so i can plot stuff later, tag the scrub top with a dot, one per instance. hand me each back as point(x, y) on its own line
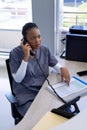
point(36, 74)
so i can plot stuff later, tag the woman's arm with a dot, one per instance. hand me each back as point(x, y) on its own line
point(20, 74)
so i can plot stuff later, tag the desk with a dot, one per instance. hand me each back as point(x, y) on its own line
point(79, 122)
point(45, 100)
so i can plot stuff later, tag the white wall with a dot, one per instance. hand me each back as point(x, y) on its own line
point(43, 16)
point(48, 16)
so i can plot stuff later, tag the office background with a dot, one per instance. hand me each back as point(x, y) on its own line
point(48, 14)
point(43, 14)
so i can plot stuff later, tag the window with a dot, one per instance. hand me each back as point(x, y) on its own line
point(75, 13)
point(15, 13)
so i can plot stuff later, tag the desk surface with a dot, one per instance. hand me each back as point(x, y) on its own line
point(45, 100)
point(79, 122)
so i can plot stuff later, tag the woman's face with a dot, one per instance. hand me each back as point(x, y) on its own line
point(34, 38)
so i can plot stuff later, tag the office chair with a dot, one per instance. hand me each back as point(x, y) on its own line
point(11, 97)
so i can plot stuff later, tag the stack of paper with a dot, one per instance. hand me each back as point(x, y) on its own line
point(63, 90)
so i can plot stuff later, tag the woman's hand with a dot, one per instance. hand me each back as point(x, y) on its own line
point(65, 76)
point(26, 50)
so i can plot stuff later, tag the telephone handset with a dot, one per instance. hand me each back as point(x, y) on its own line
point(32, 53)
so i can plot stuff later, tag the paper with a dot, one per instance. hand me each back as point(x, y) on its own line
point(64, 90)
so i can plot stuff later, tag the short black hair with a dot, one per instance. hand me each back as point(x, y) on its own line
point(28, 26)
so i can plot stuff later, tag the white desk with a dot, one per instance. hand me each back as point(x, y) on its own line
point(45, 100)
point(77, 123)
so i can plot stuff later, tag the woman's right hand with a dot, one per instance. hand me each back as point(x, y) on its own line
point(26, 50)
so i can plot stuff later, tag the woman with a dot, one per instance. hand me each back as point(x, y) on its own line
point(30, 71)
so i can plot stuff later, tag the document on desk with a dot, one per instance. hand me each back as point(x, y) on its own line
point(63, 90)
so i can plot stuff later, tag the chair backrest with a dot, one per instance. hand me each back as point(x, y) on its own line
point(9, 75)
point(16, 115)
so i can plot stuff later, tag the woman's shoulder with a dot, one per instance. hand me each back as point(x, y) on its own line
point(44, 47)
point(17, 51)
point(18, 48)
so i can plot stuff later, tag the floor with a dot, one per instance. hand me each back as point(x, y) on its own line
point(5, 109)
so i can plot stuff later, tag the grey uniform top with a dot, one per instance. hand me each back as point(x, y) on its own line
point(26, 91)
